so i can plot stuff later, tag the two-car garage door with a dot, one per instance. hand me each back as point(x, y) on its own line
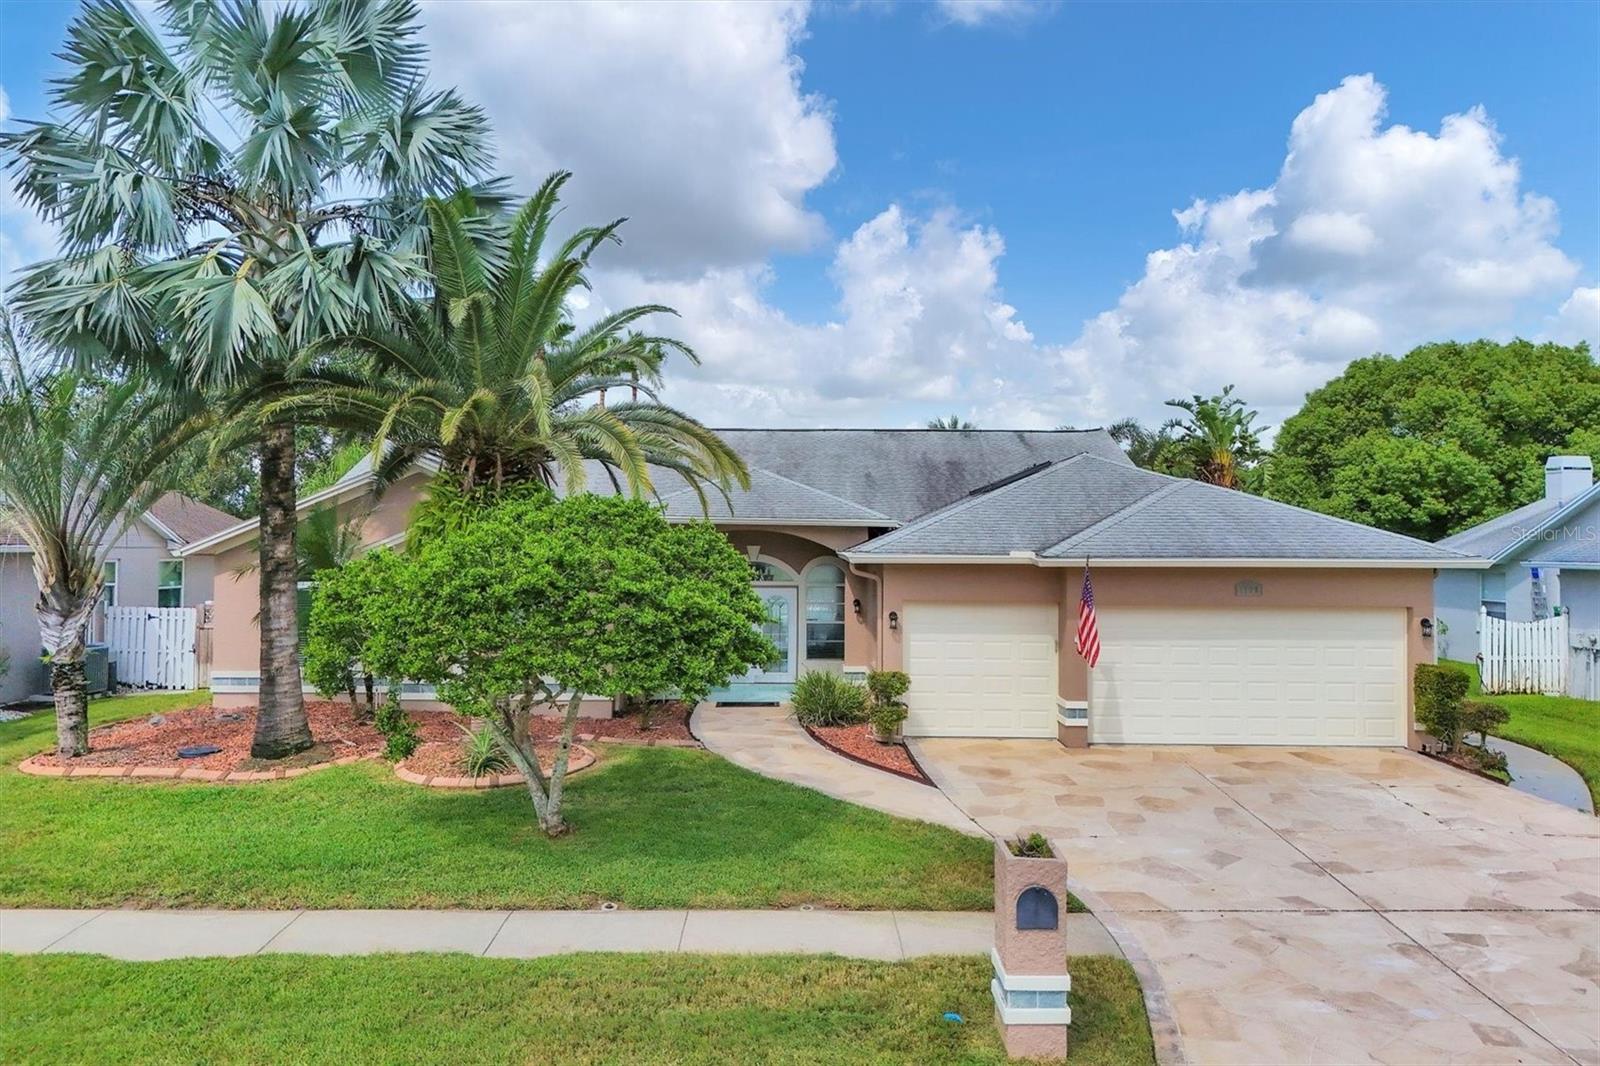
point(1265, 676)
point(1166, 676)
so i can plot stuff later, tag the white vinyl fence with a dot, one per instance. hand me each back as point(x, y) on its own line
point(1524, 656)
point(153, 647)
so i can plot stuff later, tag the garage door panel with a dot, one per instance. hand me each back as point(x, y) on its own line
point(988, 670)
point(1249, 676)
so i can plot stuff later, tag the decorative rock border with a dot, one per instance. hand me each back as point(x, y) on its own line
point(581, 759)
point(34, 767)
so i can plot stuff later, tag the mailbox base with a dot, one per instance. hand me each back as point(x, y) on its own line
point(1032, 1041)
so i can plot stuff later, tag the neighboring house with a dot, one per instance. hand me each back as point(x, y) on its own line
point(959, 556)
point(142, 570)
point(1543, 558)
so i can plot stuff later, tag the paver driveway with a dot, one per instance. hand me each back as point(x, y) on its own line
point(1321, 905)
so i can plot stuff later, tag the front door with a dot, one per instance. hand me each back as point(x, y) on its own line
point(782, 604)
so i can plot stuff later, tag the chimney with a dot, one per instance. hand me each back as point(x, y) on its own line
point(1566, 477)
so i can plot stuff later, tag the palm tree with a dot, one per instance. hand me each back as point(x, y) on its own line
point(1149, 448)
point(489, 375)
point(953, 422)
point(82, 459)
point(1218, 438)
point(228, 193)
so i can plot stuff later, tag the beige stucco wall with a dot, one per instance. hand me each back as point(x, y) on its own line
point(1408, 590)
point(236, 641)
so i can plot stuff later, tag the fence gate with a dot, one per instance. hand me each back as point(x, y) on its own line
point(153, 647)
point(1524, 656)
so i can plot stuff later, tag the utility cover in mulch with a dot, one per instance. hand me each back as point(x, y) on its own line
point(857, 742)
point(334, 727)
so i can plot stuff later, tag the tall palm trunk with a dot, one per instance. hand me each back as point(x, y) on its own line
point(281, 727)
point(70, 685)
point(63, 615)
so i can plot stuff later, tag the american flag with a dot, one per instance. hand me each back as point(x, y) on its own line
point(1088, 628)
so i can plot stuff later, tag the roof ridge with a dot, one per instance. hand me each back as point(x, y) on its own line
point(939, 514)
point(1304, 510)
point(1116, 516)
point(1558, 515)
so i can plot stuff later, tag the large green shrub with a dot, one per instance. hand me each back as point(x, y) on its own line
point(823, 698)
point(518, 602)
point(339, 623)
point(1439, 693)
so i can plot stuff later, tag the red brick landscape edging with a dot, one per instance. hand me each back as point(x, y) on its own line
point(35, 768)
point(582, 758)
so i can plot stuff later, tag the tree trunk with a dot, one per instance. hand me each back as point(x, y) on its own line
point(370, 685)
point(71, 688)
point(552, 822)
point(281, 727)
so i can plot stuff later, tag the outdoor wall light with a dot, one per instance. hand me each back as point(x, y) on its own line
point(1427, 629)
point(894, 620)
point(855, 605)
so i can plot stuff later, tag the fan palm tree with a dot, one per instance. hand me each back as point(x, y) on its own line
point(489, 375)
point(228, 193)
point(82, 459)
point(1218, 438)
point(953, 422)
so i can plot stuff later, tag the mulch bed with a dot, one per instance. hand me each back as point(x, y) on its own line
point(857, 742)
point(669, 725)
point(149, 746)
point(155, 741)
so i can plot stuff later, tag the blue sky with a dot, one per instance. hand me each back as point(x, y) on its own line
point(871, 213)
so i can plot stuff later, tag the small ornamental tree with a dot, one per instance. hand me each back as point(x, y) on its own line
point(520, 603)
point(339, 625)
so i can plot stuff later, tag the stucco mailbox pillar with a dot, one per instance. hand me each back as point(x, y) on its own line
point(1030, 954)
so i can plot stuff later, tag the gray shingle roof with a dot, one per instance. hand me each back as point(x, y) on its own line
point(903, 473)
point(1091, 507)
point(775, 498)
point(1504, 534)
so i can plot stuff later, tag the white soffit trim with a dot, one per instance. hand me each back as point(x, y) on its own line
point(227, 538)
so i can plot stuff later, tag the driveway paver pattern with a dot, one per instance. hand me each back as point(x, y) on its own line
point(1338, 905)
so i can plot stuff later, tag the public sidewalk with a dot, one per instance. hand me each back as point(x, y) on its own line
point(145, 935)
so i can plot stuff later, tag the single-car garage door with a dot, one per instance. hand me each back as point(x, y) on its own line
point(1264, 676)
point(981, 670)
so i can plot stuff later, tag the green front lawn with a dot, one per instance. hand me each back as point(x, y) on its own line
point(572, 1009)
point(1562, 726)
point(655, 827)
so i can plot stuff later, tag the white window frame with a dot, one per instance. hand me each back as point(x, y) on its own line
point(160, 588)
point(108, 588)
point(805, 605)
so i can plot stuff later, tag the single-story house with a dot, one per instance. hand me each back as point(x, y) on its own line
point(1543, 558)
point(143, 569)
point(959, 557)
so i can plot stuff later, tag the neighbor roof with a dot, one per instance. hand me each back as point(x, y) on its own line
point(1091, 508)
point(174, 515)
point(1499, 538)
point(773, 498)
point(188, 519)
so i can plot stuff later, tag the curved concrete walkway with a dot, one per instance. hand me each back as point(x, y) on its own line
point(770, 742)
point(1538, 774)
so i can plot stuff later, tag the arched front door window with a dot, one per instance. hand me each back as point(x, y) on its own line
point(824, 611)
point(769, 570)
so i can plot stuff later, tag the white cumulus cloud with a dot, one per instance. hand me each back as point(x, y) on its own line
point(1577, 319)
point(920, 324)
point(688, 118)
point(1371, 237)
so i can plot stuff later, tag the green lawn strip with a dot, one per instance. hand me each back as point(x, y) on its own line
point(589, 1008)
point(655, 827)
point(1562, 726)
